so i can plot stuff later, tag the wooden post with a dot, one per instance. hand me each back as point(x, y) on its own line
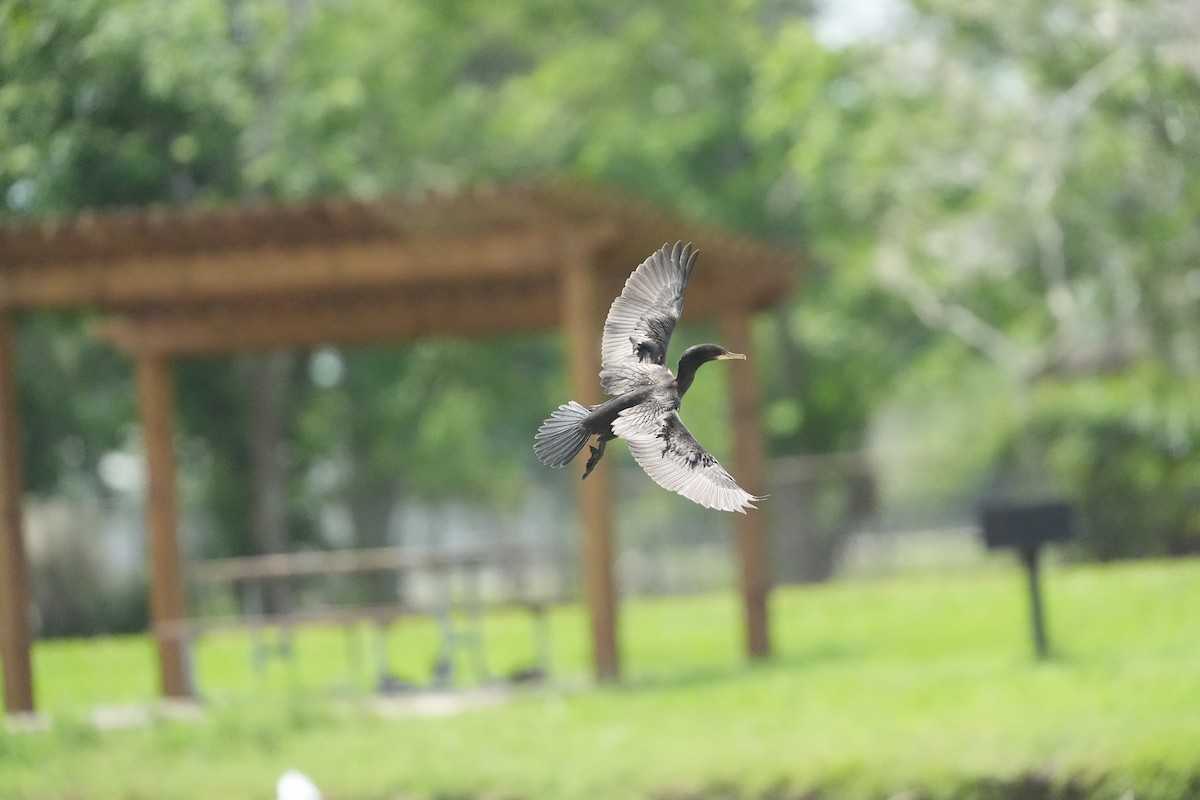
point(750, 472)
point(156, 398)
point(583, 319)
point(14, 576)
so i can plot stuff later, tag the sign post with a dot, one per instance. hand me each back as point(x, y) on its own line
point(1026, 527)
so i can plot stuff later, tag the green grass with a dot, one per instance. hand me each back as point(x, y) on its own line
point(876, 687)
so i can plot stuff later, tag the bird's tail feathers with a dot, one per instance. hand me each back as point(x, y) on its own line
point(562, 435)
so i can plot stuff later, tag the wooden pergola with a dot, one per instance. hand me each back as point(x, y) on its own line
point(501, 260)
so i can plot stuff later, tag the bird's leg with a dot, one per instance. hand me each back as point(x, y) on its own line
point(597, 453)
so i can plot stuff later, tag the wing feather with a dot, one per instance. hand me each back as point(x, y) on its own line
point(663, 446)
point(641, 320)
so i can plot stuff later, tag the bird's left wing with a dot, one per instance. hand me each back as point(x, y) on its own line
point(641, 320)
point(671, 456)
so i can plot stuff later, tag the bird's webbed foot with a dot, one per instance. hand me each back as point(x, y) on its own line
point(597, 454)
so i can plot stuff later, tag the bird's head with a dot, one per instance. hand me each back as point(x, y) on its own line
point(696, 355)
point(703, 353)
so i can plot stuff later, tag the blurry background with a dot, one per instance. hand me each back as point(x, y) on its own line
point(1002, 202)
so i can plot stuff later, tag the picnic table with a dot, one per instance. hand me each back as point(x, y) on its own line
point(456, 575)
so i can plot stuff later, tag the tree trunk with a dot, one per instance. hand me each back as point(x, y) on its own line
point(267, 376)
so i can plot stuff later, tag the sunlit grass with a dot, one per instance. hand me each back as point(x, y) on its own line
point(875, 687)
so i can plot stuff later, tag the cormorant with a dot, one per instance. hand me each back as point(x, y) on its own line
point(645, 396)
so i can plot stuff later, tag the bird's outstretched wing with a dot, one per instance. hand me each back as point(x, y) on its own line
point(671, 456)
point(640, 321)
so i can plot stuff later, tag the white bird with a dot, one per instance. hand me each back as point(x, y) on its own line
point(295, 785)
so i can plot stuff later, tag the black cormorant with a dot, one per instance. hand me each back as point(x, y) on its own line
point(645, 396)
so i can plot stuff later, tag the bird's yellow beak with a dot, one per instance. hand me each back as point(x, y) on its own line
point(729, 356)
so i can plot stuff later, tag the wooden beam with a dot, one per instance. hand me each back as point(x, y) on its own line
point(125, 279)
point(358, 318)
point(156, 400)
point(583, 318)
point(749, 468)
point(15, 637)
point(487, 308)
point(286, 270)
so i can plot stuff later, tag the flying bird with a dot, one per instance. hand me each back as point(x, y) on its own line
point(643, 408)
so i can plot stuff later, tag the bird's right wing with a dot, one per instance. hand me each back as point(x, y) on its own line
point(641, 320)
point(671, 456)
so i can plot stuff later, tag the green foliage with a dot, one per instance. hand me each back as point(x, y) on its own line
point(1017, 176)
point(1125, 445)
point(74, 596)
point(429, 420)
point(876, 688)
point(119, 103)
point(212, 406)
point(76, 399)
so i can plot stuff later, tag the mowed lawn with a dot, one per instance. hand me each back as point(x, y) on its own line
point(924, 684)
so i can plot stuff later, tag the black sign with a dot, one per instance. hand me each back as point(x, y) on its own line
point(1026, 526)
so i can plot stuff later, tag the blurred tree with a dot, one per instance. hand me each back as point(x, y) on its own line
point(76, 400)
point(1128, 442)
point(1019, 178)
point(117, 102)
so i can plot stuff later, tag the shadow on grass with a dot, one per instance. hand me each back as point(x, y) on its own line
point(1023, 787)
point(711, 675)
